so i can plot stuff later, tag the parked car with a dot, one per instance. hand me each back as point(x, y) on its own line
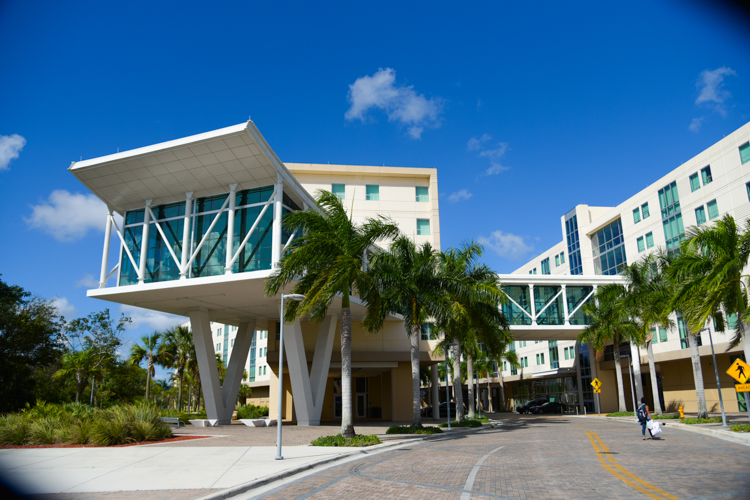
point(548, 407)
point(526, 408)
point(427, 411)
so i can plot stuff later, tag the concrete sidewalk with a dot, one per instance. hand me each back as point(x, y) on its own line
point(203, 466)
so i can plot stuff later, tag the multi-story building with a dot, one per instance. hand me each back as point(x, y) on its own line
point(202, 231)
point(599, 241)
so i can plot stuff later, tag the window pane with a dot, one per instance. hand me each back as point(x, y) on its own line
point(694, 182)
point(557, 260)
point(372, 192)
point(706, 175)
point(636, 216)
point(641, 246)
point(423, 227)
point(662, 334)
point(649, 240)
point(644, 209)
point(423, 193)
point(562, 258)
point(700, 215)
point(745, 152)
point(713, 209)
point(339, 190)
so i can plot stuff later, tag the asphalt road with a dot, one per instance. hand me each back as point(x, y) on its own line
point(544, 457)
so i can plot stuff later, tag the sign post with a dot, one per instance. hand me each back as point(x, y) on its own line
point(597, 385)
point(740, 371)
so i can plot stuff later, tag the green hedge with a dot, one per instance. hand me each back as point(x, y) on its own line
point(339, 440)
point(712, 420)
point(740, 428)
point(621, 414)
point(408, 429)
point(464, 423)
point(252, 411)
point(80, 424)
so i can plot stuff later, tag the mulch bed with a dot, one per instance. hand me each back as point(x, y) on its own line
point(161, 441)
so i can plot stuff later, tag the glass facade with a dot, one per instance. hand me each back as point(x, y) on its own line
point(636, 216)
point(554, 358)
point(649, 240)
point(700, 215)
point(713, 209)
point(644, 210)
point(549, 309)
point(339, 190)
point(518, 308)
point(423, 193)
point(706, 175)
point(423, 227)
point(516, 305)
point(609, 249)
point(428, 331)
point(574, 246)
point(695, 183)
point(745, 153)
point(211, 258)
point(545, 266)
point(576, 295)
point(586, 379)
point(372, 192)
point(556, 389)
point(669, 201)
point(641, 244)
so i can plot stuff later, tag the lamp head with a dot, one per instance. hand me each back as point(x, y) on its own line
point(294, 296)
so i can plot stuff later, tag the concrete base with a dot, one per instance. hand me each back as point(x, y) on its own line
point(208, 422)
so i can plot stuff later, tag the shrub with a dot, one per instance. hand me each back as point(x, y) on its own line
point(665, 417)
point(621, 414)
point(110, 428)
point(740, 428)
point(44, 430)
point(712, 420)
point(464, 423)
point(339, 440)
point(408, 429)
point(80, 432)
point(14, 430)
point(252, 411)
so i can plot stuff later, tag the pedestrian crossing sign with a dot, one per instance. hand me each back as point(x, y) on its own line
point(597, 391)
point(740, 371)
point(742, 387)
point(596, 384)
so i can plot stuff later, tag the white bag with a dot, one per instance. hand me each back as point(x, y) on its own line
point(650, 424)
point(656, 429)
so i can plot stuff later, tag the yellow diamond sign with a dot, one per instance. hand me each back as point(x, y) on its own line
point(740, 371)
point(596, 384)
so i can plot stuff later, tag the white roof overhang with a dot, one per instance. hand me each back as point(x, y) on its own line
point(204, 164)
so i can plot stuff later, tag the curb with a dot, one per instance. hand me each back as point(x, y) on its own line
point(242, 488)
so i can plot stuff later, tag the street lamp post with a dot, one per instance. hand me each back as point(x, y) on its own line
point(631, 377)
point(297, 297)
point(447, 387)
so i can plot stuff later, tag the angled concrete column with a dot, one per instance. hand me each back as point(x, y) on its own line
point(309, 390)
point(219, 401)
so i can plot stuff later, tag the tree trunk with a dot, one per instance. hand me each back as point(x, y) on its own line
point(148, 380)
point(179, 392)
point(502, 390)
point(654, 383)
point(491, 406)
point(347, 420)
point(79, 386)
point(620, 385)
point(470, 386)
point(700, 391)
point(435, 385)
point(414, 337)
point(458, 383)
point(635, 357)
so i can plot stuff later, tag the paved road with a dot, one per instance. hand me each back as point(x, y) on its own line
point(544, 457)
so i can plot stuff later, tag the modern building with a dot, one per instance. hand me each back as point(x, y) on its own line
point(201, 233)
point(599, 241)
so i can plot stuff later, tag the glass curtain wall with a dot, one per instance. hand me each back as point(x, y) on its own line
point(609, 249)
point(514, 313)
point(557, 389)
point(669, 201)
point(552, 315)
point(211, 259)
point(574, 246)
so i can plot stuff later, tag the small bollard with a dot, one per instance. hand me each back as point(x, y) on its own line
point(682, 415)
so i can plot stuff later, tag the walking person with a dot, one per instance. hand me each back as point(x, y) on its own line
point(643, 417)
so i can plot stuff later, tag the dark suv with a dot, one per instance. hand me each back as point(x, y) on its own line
point(549, 407)
point(526, 408)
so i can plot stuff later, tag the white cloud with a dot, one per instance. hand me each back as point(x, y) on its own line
point(492, 154)
point(64, 308)
point(402, 104)
point(10, 147)
point(695, 125)
point(461, 195)
point(710, 84)
point(506, 245)
point(88, 281)
point(68, 216)
point(153, 320)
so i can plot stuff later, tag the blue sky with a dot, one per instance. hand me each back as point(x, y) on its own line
point(525, 110)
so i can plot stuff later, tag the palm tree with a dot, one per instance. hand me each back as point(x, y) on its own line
point(326, 261)
point(647, 296)
point(485, 368)
point(406, 280)
point(81, 365)
point(609, 321)
point(154, 352)
point(472, 312)
point(178, 343)
point(511, 357)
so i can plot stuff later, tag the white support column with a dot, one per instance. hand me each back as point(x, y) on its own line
point(105, 253)
point(209, 372)
point(309, 390)
point(635, 366)
point(230, 228)
point(276, 232)
point(533, 305)
point(565, 305)
point(435, 383)
point(184, 271)
point(236, 365)
point(144, 246)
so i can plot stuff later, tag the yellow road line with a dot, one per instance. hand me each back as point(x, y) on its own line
point(602, 453)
